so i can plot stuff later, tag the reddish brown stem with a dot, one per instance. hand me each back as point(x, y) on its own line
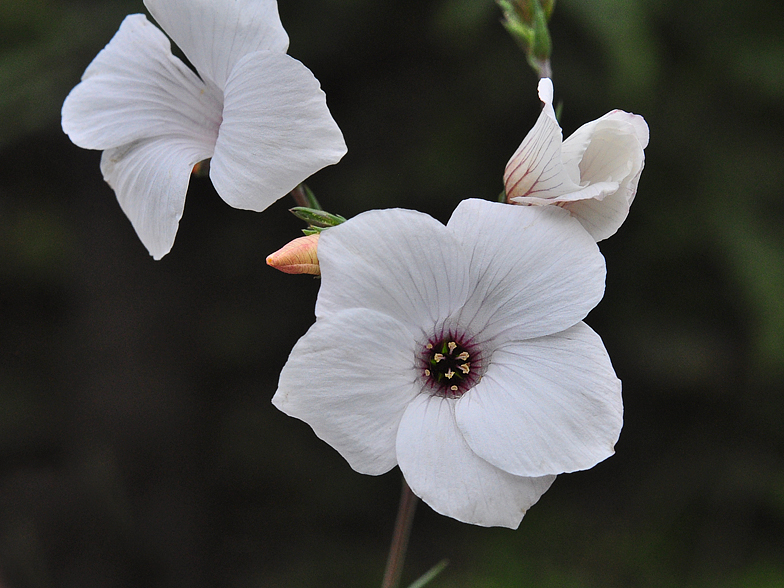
point(397, 551)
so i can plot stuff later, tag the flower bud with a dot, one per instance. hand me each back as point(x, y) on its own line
point(297, 257)
point(526, 21)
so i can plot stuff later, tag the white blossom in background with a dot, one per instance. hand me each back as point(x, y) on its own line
point(593, 174)
point(257, 112)
point(458, 352)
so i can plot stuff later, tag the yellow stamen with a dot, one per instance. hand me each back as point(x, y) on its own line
point(438, 357)
point(452, 346)
point(463, 356)
point(453, 388)
point(465, 368)
point(449, 373)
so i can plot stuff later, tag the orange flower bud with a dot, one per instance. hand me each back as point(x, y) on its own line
point(297, 257)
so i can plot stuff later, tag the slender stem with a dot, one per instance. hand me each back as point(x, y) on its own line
point(397, 551)
point(298, 194)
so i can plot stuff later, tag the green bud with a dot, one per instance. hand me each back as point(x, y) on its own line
point(526, 21)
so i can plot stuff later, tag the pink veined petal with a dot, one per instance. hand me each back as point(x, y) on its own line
point(442, 470)
point(136, 89)
point(536, 168)
point(545, 406)
point(350, 377)
point(597, 191)
point(276, 131)
point(216, 34)
point(150, 178)
point(403, 263)
point(535, 271)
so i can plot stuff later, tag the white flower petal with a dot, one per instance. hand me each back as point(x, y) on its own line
point(593, 174)
point(609, 149)
point(545, 406)
point(216, 34)
point(605, 150)
point(536, 168)
point(535, 271)
point(602, 218)
point(150, 178)
point(400, 262)
point(637, 122)
point(136, 89)
point(441, 469)
point(276, 131)
point(350, 378)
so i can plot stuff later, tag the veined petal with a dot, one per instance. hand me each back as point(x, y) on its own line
point(150, 178)
point(610, 151)
point(216, 34)
point(276, 131)
point(136, 89)
point(545, 406)
point(350, 378)
point(442, 470)
point(607, 150)
point(602, 218)
point(536, 168)
point(534, 270)
point(637, 122)
point(400, 262)
point(597, 191)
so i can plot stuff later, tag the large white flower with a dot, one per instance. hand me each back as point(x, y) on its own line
point(593, 174)
point(458, 352)
point(257, 112)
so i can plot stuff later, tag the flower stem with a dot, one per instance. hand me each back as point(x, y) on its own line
point(397, 551)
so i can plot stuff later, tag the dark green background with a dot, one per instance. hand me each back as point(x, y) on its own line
point(138, 446)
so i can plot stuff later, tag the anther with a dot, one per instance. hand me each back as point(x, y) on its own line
point(429, 346)
point(463, 356)
point(449, 373)
point(453, 388)
point(427, 372)
point(452, 346)
point(465, 368)
point(438, 357)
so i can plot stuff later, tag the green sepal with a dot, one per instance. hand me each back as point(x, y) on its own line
point(317, 218)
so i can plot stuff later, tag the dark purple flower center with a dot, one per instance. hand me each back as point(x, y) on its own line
point(450, 365)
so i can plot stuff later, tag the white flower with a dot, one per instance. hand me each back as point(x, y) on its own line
point(257, 112)
point(458, 352)
point(593, 174)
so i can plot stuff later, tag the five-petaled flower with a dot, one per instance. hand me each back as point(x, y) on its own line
point(257, 112)
point(593, 174)
point(458, 352)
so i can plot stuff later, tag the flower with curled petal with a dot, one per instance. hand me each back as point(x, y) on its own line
point(458, 352)
point(593, 174)
point(257, 112)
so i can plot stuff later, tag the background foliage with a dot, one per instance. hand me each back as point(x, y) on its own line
point(137, 443)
